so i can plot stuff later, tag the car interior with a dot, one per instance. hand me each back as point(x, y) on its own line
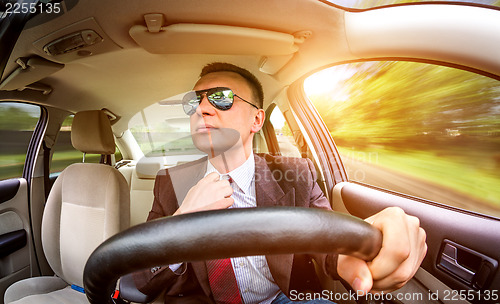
point(98, 77)
point(79, 213)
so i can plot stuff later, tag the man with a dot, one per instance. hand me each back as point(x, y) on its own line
point(225, 112)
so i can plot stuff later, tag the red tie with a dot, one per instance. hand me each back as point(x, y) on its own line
point(223, 282)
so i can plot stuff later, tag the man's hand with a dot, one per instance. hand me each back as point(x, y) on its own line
point(208, 194)
point(403, 249)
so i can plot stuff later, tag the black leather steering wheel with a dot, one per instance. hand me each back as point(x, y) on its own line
point(225, 233)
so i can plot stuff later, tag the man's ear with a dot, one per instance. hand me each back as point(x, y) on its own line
point(258, 121)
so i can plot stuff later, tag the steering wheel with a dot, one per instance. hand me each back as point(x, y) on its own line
point(222, 234)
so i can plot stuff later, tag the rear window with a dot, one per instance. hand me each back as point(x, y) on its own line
point(162, 130)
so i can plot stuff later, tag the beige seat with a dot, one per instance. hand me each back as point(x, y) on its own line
point(141, 179)
point(87, 204)
point(259, 143)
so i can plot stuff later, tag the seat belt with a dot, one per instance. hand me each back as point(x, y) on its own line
point(46, 173)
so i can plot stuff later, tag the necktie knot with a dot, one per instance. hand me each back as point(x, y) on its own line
point(227, 177)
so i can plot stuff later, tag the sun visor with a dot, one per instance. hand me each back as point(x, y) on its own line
point(28, 72)
point(213, 39)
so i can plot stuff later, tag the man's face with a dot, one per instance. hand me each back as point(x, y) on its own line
point(215, 131)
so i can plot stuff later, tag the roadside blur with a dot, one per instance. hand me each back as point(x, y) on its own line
point(433, 124)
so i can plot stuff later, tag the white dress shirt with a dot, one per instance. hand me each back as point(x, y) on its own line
point(253, 276)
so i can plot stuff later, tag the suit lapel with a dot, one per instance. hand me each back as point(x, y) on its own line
point(184, 179)
point(267, 190)
point(200, 270)
point(269, 194)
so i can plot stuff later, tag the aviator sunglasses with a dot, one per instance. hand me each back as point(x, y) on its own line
point(221, 98)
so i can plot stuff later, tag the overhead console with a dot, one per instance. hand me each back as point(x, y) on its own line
point(189, 38)
point(81, 39)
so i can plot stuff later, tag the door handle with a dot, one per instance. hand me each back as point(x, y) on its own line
point(469, 266)
point(449, 261)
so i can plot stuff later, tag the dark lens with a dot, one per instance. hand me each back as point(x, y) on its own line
point(222, 99)
point(190, 102)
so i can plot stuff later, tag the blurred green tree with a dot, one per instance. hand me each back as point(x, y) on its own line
point(400, 103)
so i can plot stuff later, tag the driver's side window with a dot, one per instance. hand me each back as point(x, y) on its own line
point(420, 129)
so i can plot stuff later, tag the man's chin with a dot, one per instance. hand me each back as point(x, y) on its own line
point(216, 141)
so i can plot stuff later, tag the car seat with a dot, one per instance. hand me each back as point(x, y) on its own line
point(87, 204)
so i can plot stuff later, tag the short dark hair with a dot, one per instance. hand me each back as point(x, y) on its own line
point(252, 81)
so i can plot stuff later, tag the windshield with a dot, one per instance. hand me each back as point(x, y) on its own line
point(365, 4)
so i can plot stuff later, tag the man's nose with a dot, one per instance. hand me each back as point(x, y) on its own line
point(205, 108)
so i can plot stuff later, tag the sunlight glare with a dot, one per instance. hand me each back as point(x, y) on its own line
point(329, 82)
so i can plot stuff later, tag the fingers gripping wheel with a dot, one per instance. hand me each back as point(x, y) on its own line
point(225, 233)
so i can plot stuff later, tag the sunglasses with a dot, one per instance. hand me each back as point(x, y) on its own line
point(221, 98)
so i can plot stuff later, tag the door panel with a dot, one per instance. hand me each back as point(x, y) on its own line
point(463, 246)
point(15, 233)
point(8, 189)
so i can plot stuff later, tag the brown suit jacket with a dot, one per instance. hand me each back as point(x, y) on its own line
point(279, 181)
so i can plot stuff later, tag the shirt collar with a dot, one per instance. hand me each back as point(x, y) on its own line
point(242, 176)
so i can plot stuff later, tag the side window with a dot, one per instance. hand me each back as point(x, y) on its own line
point(284, 135)
point(64, 154)
point(17, 123)
point(419, 129)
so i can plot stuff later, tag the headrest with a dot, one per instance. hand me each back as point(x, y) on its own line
point(91, 133)
point(148, 167)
